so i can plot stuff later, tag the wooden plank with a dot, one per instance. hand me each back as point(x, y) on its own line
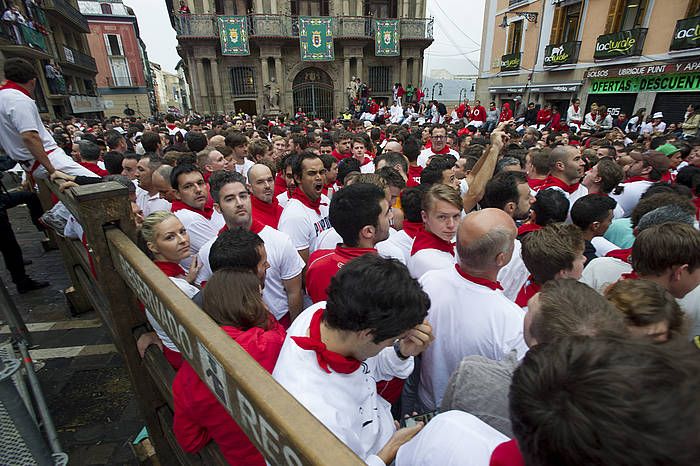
point(161, 372)
point(279, 426)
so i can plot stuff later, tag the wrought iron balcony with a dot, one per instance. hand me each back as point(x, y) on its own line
point(69, 12)
point(71, 57)
point(266, 25)
point(20, 35)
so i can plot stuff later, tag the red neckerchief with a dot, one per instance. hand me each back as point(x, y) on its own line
point(528, 228)
point(365, 161)
point(412, 228)
point(427, 240)
point(13, 85)
point(553, 182)
point(696, 202)
point(576, 107)
point(326, 359)
point(535, 183)
point(171, 126)
point(206, 212)
point(171, 269)
point(507, 454)
point(444, 150)
point(622, 254)
point(428, 144)
point(338, 156)
point(300, 196)
point(479, 281)
point(255, 227)
point(629, 276)
point(269, 214)
point(632, 179)
point(666, 178)
point(280, 184)
point(347, 254)
point(528, 290)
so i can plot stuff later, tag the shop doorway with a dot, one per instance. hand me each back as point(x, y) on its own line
point(674, 105)
point(247, 106)
point(313, 93)
point(616, 103)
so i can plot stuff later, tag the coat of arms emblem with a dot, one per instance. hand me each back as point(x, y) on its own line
point(233, 35)
point(387, 37)
point(316, 38)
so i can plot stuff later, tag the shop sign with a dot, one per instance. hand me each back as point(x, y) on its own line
point(510, 62)
point(687, 34)
point(561, 54)
point(667, 83)
point(645, 70)
point(620, 44)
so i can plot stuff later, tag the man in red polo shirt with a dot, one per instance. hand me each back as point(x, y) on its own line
point(360, 214)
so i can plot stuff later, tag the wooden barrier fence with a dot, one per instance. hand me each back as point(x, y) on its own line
point(279, 426)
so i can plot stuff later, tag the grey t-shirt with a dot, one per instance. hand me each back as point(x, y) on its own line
point(480, 387)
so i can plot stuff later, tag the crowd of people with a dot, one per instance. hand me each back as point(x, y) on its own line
point(532, 293)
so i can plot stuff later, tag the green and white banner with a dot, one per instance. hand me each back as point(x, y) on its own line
point(386, 43)
point(316, 38)
point(233, 32)
point(662, 83)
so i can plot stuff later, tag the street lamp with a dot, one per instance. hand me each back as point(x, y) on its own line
point(463, 90)
point(432, 95)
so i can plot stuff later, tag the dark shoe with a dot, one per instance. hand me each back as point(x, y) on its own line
point(27, 261)
point(29, 284)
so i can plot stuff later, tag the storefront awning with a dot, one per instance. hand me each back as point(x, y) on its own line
point(521, 88)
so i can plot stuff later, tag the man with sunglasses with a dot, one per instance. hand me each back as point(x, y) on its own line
point(438, 138)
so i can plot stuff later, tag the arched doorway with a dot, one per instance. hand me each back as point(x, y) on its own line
point(313, 92)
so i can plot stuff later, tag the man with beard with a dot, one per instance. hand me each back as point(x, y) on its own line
point(266, 208)
point(566, 167)
point(306, 214)
point(438, 138)
point(647, 169)
point(283, 281)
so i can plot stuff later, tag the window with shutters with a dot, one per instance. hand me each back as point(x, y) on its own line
point(693, 9)
point(625, 14)
point(515, 36)
point(566, 23)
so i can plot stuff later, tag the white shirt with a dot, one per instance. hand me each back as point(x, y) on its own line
point(691, 306)
point(200, 229)
point(453, 438)
point(467, 319)
point(629, 197)
point(429, 259)
point(602, 272)
point(149, 204)
point(602, 246)
point(403, 243)
point(189, 290)
point(367, 168)
point(283, 198)
point(514, 275)
point(347, 404)
point(573, 197)
point(244, 167)
point(425, 154)
point(304, 225)
point(18, 114)
point(330, 238)
point(285, 264)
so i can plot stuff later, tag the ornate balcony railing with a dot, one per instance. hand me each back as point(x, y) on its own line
point(267, 25)
point(70, 56)
point(68, 11)
point(18, 34)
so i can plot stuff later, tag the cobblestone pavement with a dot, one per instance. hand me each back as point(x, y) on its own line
point(83, 378)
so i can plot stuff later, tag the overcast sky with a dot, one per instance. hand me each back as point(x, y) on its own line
point(457, 33)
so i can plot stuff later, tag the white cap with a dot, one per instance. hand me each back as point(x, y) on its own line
point(658, 115)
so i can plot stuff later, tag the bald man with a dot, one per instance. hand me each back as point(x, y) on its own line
point(261, 184)
point(468, 311)
point(393, 146)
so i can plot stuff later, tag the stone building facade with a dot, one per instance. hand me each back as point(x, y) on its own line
point(221, 83)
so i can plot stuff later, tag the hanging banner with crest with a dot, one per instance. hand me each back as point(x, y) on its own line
point(386, 43)
point(233, 32)
point(316, 38)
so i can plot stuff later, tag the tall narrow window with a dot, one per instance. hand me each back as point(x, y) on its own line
point(693, 9)
point(117, 61)
point(625, 14)
point(566, 23)
point(309, 7)
point(515, 36)
point(106, 8)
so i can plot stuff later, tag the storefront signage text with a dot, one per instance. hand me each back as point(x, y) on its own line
point(620, 44)
point(645, 70)
point(687, 34)
point(510, 62)
point(668, 83)
point(561, 54)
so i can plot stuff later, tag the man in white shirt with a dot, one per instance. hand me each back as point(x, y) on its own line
point(337, 350)
point(432, 247)
point(23, 136)
point(283, 283)
point(468, 309)
point(648, 168)
point(210, 160)
point(566, 170)
point(411, 205)
point(438, 138)
point(194, 207)
point(148, 197)
point(238, 142)
point(306, 215)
